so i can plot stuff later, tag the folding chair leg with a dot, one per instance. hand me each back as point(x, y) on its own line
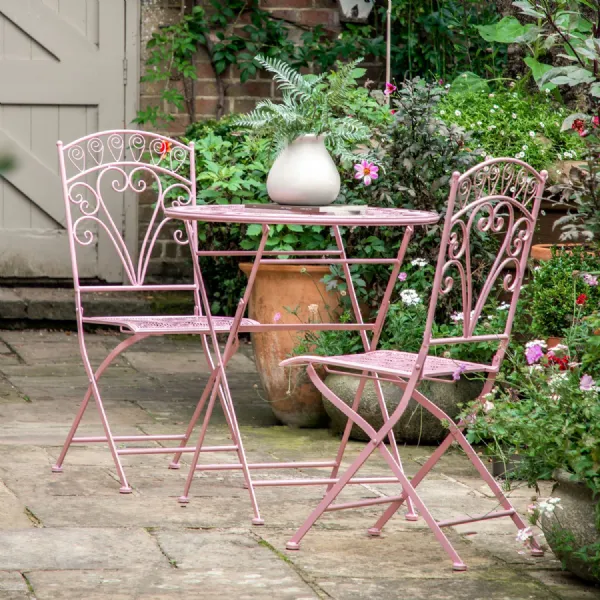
point(207, 389)
point(456, 434)
point(58, 465)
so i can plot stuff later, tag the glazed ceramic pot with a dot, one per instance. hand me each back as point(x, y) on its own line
point(294, 399)
point(304, 174)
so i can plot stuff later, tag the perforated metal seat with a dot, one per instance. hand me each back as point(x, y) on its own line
point(168, 324)
point(392, 362)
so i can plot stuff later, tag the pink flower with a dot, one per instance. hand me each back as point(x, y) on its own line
point(277, 317)
point(524, 535)
point(596, 121)
point(487, 406)
point(366, 171)
point(402, 276)
point(587, 383)
point(456, 375)
point(390, 88)
point(533, 354)
point(590, 279)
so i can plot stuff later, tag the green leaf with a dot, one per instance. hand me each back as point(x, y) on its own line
point(506, 31)
point(538, 70)
point(595, 91)
point(468, 83)
point(254, 229)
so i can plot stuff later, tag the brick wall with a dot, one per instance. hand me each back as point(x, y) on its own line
point(168, 262)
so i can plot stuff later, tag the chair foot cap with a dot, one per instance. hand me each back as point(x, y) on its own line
point(125, 489)
point(537, 552)
point(374, 531)
point(183, 499)
point(258, 521)
point(411, 516)
point(174, 465)
point(292, 546)
point(459, 566)
point(57, 469)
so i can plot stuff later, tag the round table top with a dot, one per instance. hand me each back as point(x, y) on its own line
point(274, 214)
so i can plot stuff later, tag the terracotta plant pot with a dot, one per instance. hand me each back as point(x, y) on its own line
point(294, 399)
point(553, 342)
point(544, 251)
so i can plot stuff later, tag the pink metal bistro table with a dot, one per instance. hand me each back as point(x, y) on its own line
point(266, 216)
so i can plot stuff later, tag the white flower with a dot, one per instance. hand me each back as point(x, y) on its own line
point(492, 110)
point(313, 309)
point(541, 343)
point(479, 122)
point(556, 380)
point(491, 96)
point(547, 91)
point(532, 134)
point(524, 535)
point(419, 262)
point(558, 172)
point(459, 316)
point(447, 86)
point(524, 147)
point(548, 507)
point(487, 406)
point(410, 297)
point(503, 306)
point(457, 113)
point(520, 155)
point(442, 112)
point(496, 106)
point(514, 115)
point(542, 125)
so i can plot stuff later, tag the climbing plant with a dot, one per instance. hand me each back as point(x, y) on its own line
point(429, 38)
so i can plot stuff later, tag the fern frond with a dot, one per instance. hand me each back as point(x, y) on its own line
point(342, 82)
point(287, 78)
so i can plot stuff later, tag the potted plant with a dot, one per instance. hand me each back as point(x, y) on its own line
point(403, 330)
point(316, 119)
point(560, 289)
point(546, 410)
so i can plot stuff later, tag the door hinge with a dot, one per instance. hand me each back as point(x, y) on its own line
point(125, 71)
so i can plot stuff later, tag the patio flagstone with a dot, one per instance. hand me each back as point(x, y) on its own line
point(71, 536)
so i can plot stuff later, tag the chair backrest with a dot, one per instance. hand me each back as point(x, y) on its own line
point(96, 168)
point(499, 197)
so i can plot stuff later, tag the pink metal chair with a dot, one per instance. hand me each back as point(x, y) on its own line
point(93, 169)
point(501, 197)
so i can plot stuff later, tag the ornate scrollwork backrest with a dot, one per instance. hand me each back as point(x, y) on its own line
point(499, 197)
point(110, 162)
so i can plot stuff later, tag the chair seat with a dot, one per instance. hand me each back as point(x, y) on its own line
point(393, 362)
point(169, 324)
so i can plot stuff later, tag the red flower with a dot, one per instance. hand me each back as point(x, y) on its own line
point(596, 121)
point(164, 147)
point(581, 299)
point(561, 361)
point(393, 111)
point(579, 127)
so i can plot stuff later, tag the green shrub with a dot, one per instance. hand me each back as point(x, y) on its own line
point(505, 123)
point(556, 286)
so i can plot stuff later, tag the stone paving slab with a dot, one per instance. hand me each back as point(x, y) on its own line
point(78, 548)
point(72, 536)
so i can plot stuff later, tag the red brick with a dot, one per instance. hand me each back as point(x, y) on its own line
point(332, 4)
point(267, 4)
point(319, 17)
point(260, 89)
point(177, 126)
point(244, 105)
point(286, 15)
point(204, 70)
point(206, 106)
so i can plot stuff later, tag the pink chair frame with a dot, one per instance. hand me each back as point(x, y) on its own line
point(128, 159)
point(501, 196)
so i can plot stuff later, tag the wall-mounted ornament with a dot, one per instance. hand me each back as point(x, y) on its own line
point(355, 10)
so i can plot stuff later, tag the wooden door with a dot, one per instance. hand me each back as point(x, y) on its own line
point(63, 74)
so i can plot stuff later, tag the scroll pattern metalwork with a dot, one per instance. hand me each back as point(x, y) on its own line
point(499, 198)
point(115, 161)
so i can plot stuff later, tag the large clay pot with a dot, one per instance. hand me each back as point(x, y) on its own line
point(294, 399)
point(573, 527)
point(417, 425)
point(304, 174)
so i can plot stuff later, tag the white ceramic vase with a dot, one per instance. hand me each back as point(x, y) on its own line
point(304, 174)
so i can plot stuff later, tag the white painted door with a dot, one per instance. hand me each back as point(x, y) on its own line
point(62, 75)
